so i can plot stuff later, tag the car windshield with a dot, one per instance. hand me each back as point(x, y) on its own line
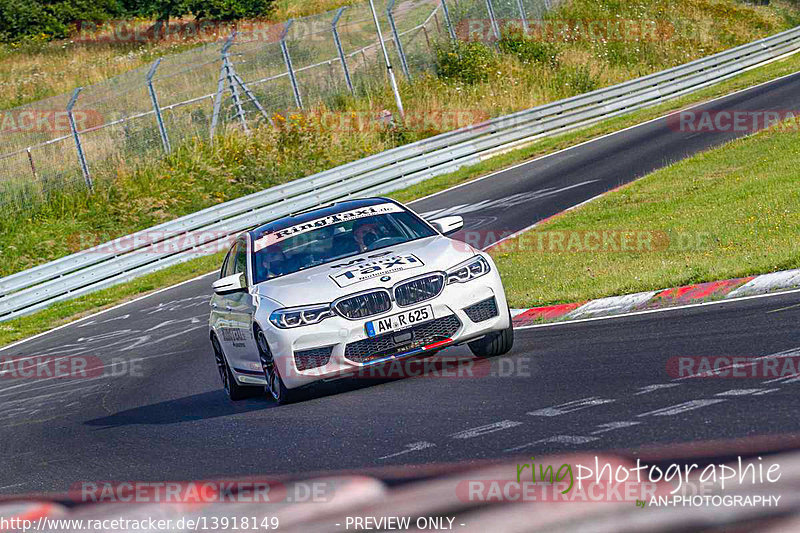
point(333, 237)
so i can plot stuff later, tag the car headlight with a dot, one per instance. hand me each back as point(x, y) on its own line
point(293, 317)
point(468, 270)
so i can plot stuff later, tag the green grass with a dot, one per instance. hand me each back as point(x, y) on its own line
point(726, 213)
point(63, 312)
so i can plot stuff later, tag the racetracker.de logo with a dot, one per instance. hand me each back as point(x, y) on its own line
point(47, 120)
point(733, 121)
point(568, 30)
point(138, 492)
point(721, 366)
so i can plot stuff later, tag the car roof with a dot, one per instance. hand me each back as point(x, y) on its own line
point(313, 214)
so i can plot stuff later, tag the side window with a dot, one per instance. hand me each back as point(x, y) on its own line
point(227, 264)
point(240, 259)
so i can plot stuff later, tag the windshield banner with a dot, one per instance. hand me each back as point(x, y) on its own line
point(362, 212)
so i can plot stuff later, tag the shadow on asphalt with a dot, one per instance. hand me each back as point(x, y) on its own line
point(203, 406)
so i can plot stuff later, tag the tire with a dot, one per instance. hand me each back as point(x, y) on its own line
point(234, 391)
point(494, 344)
point(275, 389)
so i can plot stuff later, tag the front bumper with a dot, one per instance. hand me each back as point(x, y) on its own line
point(328, 341)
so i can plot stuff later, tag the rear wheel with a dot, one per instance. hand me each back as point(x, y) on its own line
point(275, 388)
point(234, 391)
point(494, 344)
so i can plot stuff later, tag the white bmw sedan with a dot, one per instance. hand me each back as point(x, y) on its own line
point(324, 293)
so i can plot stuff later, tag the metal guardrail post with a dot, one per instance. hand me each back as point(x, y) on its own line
point(339, 48)
point(523, 17)
point(448, 21)
point(81, 157)
point(397, 43)
point(162, 130)
point(287, 59)
point(493, 19)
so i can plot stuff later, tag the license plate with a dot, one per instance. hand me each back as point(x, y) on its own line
point(403, 320)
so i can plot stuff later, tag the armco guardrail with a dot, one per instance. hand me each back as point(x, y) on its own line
point(167, 244)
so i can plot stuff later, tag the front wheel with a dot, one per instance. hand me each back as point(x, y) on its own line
point(275, 388)
point(494, 344)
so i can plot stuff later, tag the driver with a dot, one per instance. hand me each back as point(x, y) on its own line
point(365, 233)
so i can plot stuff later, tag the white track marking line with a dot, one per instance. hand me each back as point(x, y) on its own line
point(700, 104)
point(681, 408)
point(413, 447)
point(485, 430)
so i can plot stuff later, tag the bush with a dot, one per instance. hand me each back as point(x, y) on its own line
point(528, 50)
point(466, 62)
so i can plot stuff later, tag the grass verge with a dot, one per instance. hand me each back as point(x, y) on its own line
point(517, 274)
point(726, 213)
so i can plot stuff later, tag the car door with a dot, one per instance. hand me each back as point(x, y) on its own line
point(219, 314)
point(239, 309)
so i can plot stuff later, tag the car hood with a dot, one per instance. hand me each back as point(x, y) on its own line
point(325, 283)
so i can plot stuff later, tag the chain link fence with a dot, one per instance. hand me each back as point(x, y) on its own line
point(66, 141)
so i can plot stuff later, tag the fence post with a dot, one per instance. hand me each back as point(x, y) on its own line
point(252, 98)
point(30, 160)
point(398, 44)
point(154, 98)
point(493, 19)
point(523, 17)
point(287, 59)
point(229, 76)
point(81, 157)
point(448, 21)
point(338, 42)
point(220, 86)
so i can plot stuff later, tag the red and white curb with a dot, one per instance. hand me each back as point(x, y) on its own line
point(652, 300)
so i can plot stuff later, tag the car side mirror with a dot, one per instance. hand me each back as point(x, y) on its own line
point(448, 225)
point(229, 284)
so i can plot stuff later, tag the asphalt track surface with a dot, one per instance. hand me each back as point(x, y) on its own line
point(154, 410)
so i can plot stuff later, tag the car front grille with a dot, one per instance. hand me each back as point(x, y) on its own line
point(400, 341)
point(419, 289)
point(364, 305)
point(308, 359)
point(483, 310)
